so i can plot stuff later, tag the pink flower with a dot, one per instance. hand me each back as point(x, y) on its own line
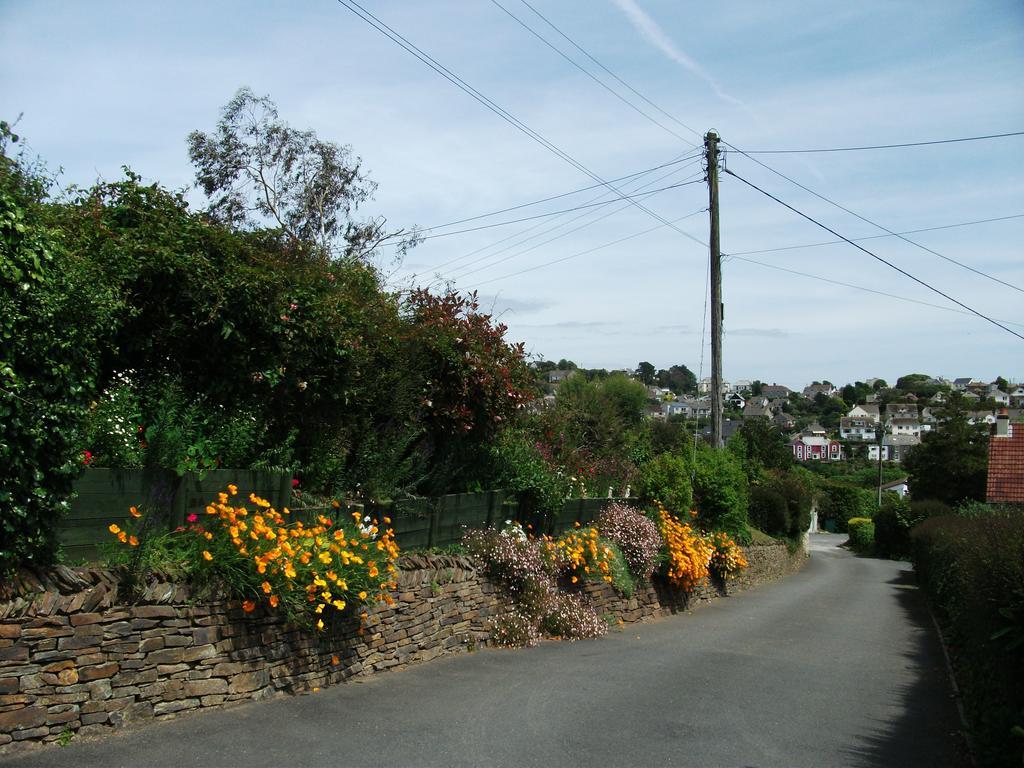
point(86, 458)
point(295, 482)
point(192, 518)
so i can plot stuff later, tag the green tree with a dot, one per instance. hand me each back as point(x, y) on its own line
point(760, 445)
point(951, 464)
point(645, 372)
point(679, 379)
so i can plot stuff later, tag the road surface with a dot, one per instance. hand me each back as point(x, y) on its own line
point(838, 665)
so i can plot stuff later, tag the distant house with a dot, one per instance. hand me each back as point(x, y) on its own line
point(857, 428)
point(742, 385)
point(813, 390)
point(753, 411)
point(554, 377)
point(735, 400)
point(688, 408)
point(1016, 396)
point(905, 426)
point(704, 386)
point(784, 421)
point(900, 411)
point(899, 487)
point(965, 383)
point(981, 417)
point(775, 391)
point(1006, 463)
point(729, 428)
point(814, 429)
point(865, 411)
point(894, 447)
point(1001, 398)
point(815, 448)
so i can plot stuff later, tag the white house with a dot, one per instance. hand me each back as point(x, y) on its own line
point(899, 487)
point(905, 426)
point(865, 411)
point(857, 428)
point(894, 447)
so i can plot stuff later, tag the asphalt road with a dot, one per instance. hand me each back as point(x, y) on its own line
point(838, 665)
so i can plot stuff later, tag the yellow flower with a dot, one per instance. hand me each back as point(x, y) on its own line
point(207, 555)
point(320, 624)
point(232, 489)
point(362, 595)
point(339, 604)
point(114, 528)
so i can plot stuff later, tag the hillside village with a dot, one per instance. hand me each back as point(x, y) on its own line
point(824, 422)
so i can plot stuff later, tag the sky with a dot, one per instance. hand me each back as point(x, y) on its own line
point(107, 84)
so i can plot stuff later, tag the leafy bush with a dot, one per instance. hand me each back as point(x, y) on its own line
point(582, 554)
point(839, 503)
point(768, 511)
point(53, 312)
point(892, 527)
point(862, 533)
point(973, 570)
point(635, 535)
point(520, 467)
point(666, 478)
point(720, 493)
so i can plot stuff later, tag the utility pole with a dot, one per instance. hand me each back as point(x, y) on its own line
point(711, 154)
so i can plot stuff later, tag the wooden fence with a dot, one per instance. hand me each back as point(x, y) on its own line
point(104, 496)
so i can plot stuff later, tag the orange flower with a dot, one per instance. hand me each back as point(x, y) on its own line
point(122, 537)
point(133, 541)
point(267, 589)
point(274, 600)
point(206, 555)
point(232, 489)
point(114, 528)
point(335, 660)
point(248, 606)
point(134, 512)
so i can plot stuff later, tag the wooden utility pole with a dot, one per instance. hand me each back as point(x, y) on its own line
point(711, 154)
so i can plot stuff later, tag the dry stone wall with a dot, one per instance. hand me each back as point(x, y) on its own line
point(75, 658)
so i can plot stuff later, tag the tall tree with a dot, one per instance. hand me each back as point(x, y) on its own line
point(645, 372)
point(951, 463)
point(256, 168)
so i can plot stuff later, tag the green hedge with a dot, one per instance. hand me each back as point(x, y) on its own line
point(972, 569)
point(839, 502)
point(862, 533)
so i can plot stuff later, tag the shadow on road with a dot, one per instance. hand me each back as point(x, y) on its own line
point(926, 706)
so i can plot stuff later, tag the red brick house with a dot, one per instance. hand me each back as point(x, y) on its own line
point(1006, 462)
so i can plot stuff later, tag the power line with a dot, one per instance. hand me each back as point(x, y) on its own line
point(880, 146)
point(535, 246)
point(589, 250)
point(549, 230)
point(582, 50)
point(877, 237)
point(875, 256)
point(627, 177)
point(462, 85)
point(858, 287)
point(581, 207)
point(589, 74)
point(866, 220)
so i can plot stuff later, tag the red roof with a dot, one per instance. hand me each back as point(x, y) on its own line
point(1006, 467)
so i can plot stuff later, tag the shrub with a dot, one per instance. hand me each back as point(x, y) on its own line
point(720, 492)
point(53, 318)
point(688, 554)
point(520, 467)
point(263, 555)
point(635, 535)
point(666, 478)
point(583, 554)
point(529, 569)
point(839, 503)
point(726, 557)
point(862, 533)
point(892, 527)
point(972, 568)
point(769, 511)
